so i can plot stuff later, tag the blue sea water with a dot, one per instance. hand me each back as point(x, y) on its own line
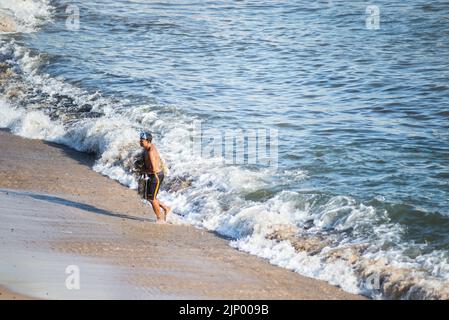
point(361, 115)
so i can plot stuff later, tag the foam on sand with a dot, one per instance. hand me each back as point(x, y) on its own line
point(332, 237)
point(24, 15)
point(79, 217)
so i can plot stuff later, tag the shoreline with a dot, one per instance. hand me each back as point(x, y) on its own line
point(6, 294)
point(83, 218)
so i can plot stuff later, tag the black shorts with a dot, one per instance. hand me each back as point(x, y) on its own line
point(153, 184)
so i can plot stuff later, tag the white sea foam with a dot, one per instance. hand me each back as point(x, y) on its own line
point(33, 124)
point(8, 115)
point(284, 255)
point(26, 15)
point(350, 236)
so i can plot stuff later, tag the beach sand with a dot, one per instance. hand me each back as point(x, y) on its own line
point(6, 294)
point(56, 212)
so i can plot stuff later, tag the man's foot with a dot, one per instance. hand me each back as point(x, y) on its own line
point(167, 213)
point(160, 221)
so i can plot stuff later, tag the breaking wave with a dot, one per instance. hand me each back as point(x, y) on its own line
point(330, 237)
point(24, 16)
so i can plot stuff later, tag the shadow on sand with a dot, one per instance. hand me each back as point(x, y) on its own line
point(85, 207)
point(83, 158)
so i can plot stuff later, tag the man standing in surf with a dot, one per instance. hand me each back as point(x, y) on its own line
point(155, 176)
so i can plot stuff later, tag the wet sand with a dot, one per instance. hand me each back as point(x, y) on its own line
point(6, 294)
point(56, 212)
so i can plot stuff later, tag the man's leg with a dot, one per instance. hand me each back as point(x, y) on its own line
point(166, 208)
point(160, 179)
point(152, 186)
point(157, 210)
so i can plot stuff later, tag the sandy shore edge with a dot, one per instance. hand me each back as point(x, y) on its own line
point(6, 294)
point(84, 215)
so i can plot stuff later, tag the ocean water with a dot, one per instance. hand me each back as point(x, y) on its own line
point(359, 196)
